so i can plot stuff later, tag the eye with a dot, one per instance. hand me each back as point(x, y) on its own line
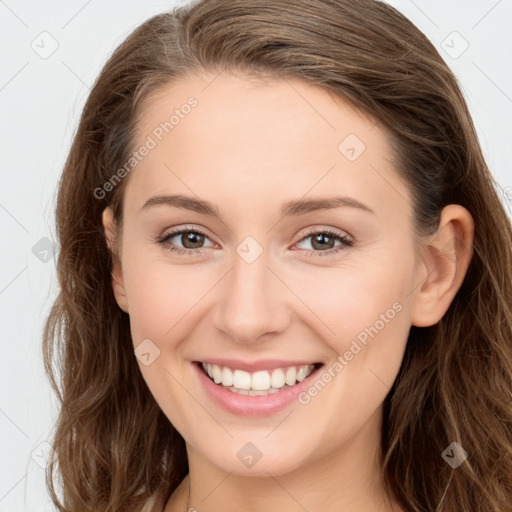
point(325, 241)
point(191, 239)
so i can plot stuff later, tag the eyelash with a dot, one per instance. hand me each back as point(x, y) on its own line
point(345, 241)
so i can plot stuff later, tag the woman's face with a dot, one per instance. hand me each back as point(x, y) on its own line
point(304, 256)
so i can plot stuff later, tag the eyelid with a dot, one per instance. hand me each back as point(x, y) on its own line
point(324, 229)
point(185, 228)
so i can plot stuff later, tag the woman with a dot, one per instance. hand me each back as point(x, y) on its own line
point(286, 274)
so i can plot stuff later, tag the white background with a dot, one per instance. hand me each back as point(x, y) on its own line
point(41, 100)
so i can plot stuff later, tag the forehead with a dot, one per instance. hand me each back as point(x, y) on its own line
point(276, 137)
point(228, 102)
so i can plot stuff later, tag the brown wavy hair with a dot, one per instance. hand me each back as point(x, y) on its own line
point(114, 447)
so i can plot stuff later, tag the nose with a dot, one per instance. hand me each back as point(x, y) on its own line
point(253, 302)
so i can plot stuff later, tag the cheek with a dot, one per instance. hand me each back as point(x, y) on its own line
point(158, 296)
point(349, 300)
point(365, 320)
point(162, 300)
point(363, 313)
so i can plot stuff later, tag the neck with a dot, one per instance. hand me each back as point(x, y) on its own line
point(347, 478)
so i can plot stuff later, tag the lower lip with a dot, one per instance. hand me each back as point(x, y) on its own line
point(246, 405)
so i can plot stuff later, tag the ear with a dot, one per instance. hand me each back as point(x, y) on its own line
point(444, 259)
point(117, 272)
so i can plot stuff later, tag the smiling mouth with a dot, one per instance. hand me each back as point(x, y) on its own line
point(260, 383)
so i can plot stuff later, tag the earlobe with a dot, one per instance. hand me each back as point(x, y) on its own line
point(117, 273)
point(445, 258)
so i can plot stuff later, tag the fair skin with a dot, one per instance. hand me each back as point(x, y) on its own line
point(247, 148)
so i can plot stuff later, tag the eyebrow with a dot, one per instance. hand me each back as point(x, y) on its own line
point(290, 208)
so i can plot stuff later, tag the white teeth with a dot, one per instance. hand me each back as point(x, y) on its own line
point(277, 380)
point(260, 381)
point(227, 376)
point(241, 379)
point(217, 374)
point(291, 373)
point(302, 374)
point(257, 383)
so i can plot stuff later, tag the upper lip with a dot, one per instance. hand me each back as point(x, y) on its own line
point(254, 366)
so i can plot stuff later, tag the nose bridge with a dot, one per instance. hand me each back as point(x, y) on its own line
point(253, 300)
